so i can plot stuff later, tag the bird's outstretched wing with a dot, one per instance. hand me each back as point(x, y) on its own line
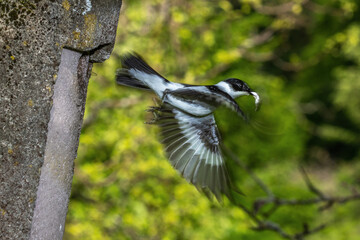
point(192, 145)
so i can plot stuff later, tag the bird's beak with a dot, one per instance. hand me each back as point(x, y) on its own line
point(257, 100)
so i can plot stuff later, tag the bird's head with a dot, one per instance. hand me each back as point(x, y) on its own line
point(236, 88)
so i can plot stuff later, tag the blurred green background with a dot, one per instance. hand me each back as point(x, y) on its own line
point(301, 56)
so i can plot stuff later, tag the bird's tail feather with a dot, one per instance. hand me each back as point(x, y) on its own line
point(133, 63)
point(136, 62)
point(123, 77)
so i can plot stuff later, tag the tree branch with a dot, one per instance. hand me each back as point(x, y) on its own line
point(260, 217)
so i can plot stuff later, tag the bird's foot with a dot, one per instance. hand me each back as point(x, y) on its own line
point(153, 109)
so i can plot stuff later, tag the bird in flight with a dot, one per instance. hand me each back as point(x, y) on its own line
point(187, 125)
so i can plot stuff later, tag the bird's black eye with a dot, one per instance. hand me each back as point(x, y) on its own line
point(238, 85)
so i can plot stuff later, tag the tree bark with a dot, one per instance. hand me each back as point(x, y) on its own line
point(46, 53)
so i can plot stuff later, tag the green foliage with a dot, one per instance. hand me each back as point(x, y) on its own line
point(302, 57)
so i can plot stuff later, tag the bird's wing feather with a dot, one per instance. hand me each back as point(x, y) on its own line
point(215, 99)
point(192, 145)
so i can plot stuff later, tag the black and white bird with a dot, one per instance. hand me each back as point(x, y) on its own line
point(187, 124)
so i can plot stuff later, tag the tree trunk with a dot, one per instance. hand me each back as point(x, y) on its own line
point(46, 53)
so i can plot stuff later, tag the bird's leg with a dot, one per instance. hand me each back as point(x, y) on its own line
point(154, 110)
point(156, 101)
point(159, 109)
point(152, 121)
point(165, 95)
